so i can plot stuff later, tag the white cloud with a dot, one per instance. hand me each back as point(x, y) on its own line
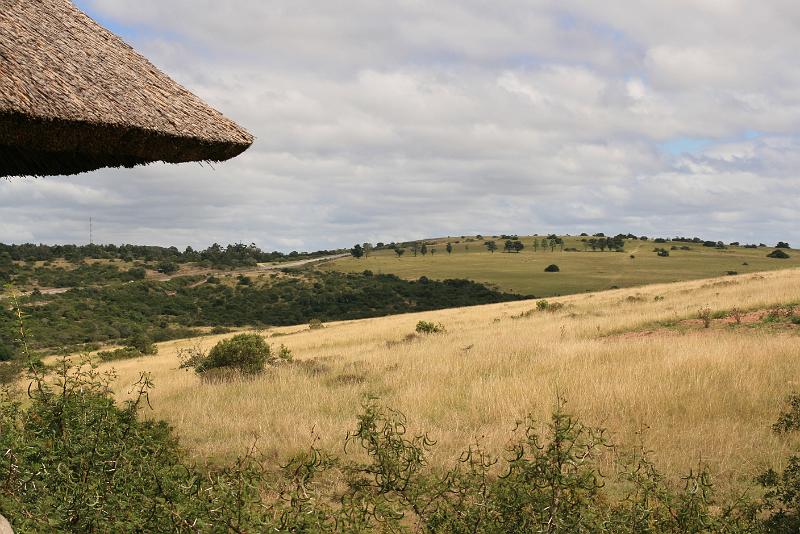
point(393, 120)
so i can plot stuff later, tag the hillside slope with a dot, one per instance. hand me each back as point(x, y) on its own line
point(581, 270)
point(624, 359)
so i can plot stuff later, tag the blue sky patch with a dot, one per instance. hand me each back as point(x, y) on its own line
point(684, 145)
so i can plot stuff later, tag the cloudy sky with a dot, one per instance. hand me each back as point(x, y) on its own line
point(396, 119)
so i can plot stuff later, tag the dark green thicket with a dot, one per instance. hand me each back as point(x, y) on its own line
point(230, 256)
point(169, 310)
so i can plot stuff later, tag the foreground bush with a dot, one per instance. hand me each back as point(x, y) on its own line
point(75, 461)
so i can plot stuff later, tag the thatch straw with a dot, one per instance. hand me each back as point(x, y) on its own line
point(74, 98)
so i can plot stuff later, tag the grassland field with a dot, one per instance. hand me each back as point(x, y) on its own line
point(635, 361)
point(580, 271)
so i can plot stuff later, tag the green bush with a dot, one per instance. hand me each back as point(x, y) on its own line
point(124, 353)
point(552, 268)
point(779, 254)
point(6, 354)
point(315, 324)
point(244, 353)
point(167, 267)
point(143, 343)
point(428, 327)
point(76, 461)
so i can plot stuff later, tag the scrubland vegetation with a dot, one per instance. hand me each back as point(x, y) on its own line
point(179, 308)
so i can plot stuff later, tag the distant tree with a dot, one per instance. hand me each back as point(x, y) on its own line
point(167, 267)
point(491, 246)
point(449, 247)
point(367, 249)
point(433, 251)
point(424, 249)
point(535, 245)
point(357, 251)
point(415, 248)
point(518, 246)
point(509, 245)
point(399, 251)
point(778, 253)
point(782, 244)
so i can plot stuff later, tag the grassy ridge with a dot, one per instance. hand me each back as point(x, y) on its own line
point(580, 271)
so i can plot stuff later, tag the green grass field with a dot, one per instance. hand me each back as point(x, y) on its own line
point(580, 271)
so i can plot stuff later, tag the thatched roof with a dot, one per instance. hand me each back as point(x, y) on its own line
point(74, 98)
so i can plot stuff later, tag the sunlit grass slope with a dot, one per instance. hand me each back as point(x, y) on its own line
point(580, 271)
point(704, 394)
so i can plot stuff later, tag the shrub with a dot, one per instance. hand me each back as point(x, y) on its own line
point(779, 254)
point(143, 343)
point(552, 268)
point(245, 353)
point(137, 273)
point(315, 324)
point(705, 315)
point(167, 267)
point(736, 313)
point(427, 327)
point(6, 354)
point(124, 353)
point(219, 330)
point(543, 305)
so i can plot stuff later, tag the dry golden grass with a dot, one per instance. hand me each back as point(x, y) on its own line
point(705, 394)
